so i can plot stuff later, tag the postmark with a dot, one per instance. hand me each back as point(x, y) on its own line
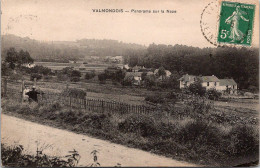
point(209, 22)
point(236, 23)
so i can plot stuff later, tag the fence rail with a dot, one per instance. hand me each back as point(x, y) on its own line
point(97, 105)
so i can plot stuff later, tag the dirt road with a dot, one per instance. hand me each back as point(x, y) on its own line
point(109, 154)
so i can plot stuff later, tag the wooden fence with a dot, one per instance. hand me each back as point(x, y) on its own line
point(97, 105)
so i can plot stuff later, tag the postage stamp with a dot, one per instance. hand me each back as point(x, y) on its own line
point(236, 23)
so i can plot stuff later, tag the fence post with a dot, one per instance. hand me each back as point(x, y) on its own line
point(22, 87)
point(34, 82)
point(85, 103)
point(102, 104)
point(67, 85)
point(5, 87)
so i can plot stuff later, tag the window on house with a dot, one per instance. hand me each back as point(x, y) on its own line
point(207, 83)
point(215, 83)
point(233, 86)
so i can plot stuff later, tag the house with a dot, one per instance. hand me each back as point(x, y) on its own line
point(126, 67)
point(228, 86)
point(136, 77)
point(136, 68)
point(209, 82)
point(117, 59)
point(186, 80)
point(167, 74)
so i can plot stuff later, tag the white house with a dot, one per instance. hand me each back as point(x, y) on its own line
point(186, 80)
point(210, 82)
point(126, 66)
point(228, 86)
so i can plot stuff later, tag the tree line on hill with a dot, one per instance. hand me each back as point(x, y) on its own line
point(63, 51)
point(241, 64)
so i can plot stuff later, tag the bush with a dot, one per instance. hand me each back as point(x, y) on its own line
point(75, 79)
point(242, 140)
point(139, 124)
point(213, 94)
point(90, 75)
point(102, 78)
point(155, 98)
point(73, 92)
point(35, 75)
point(197, 89)
point(199, 132)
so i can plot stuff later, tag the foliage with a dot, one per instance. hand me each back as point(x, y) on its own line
point(14, 58)
point(161, 71)
point(90, 75)
point(102, 77)
point(39, 70)
point(75, 79)
point(116, 75)
point(149, 81)
point(154, 98)
point(127, 81)
point(75, 73)
point(197, 88)
point(194, 137)
point(73, 92)
point(241, 64)
point(13, 156)
point(143, 125)
point(35, 75)
point(213, 94)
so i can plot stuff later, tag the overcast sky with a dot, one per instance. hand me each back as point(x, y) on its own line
point(68, 20)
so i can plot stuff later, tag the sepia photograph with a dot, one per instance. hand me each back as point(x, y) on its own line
point(129, 83)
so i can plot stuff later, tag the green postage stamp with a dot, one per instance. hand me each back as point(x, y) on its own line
point(236, 23)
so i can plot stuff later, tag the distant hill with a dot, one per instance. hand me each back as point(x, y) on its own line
point(68, 50)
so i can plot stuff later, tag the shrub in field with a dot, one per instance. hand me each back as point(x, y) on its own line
point(197, 106)
point(75, 79)
point(213, 94)
point(90, 75)
point(154, 98)
point(102, 78)
point(242, 140)
point(127, 82)
point(197, 89)
point(12, 156)
point(140, 124)
point(35, 75)
point(73, 92)
point(199, 132)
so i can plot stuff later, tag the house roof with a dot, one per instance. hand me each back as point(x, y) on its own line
point(136, 67)
point(225, 82)
point(187, 78)
point(209, 78)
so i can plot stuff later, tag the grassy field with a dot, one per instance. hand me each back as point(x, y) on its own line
point(218, 133)
point(98, 67)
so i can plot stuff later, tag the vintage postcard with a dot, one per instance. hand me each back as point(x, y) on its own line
point(120, 83)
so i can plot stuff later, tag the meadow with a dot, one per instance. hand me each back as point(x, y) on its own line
point(215, 133)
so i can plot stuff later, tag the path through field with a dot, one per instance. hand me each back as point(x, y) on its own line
point(27, 133)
